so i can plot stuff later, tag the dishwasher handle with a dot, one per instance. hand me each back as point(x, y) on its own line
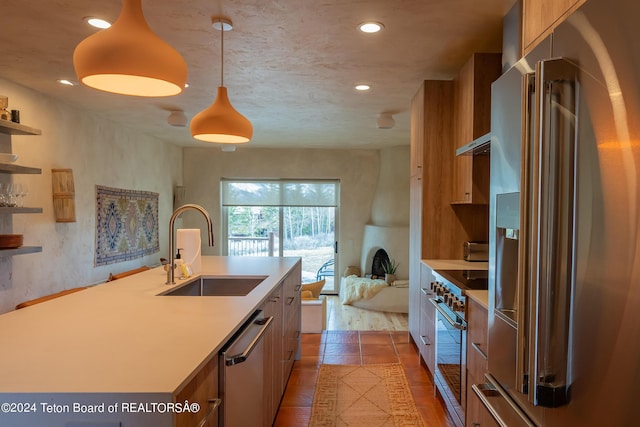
point(241, 357)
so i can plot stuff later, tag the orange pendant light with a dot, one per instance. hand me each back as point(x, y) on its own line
point(130, 59)
point(221, 123)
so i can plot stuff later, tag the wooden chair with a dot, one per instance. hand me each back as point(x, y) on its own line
point(124, 274)
point(112, 277)
point(49, 297)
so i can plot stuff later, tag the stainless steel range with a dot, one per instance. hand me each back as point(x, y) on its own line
point(450, 301)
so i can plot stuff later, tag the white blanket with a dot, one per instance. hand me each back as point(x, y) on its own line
point(357, 288)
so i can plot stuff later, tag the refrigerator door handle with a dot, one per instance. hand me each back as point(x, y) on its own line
point(525, 249)
point(552, 238)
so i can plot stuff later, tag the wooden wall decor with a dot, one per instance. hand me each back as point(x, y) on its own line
point(64, 203)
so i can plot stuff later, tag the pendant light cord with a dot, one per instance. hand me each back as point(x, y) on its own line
point(222, 54)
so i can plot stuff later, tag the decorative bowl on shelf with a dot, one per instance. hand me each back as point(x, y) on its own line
point(10, 241)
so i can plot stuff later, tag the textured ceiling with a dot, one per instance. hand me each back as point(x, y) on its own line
point(290, 65)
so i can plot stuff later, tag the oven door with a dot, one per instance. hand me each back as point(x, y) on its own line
point(449, 374)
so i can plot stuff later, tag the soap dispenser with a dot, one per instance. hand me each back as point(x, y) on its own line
point(178, 262)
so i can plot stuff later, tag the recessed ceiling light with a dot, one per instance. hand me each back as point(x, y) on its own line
point(97, 22)
point(66, 82)
point(370, 27)
point(362, 87)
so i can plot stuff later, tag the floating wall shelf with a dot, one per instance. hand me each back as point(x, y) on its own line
point(21, 250)
point(12, 128)
point(17, 169)
point(16, 210)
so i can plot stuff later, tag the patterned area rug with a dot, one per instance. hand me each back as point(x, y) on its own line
point(126, 224)
point(363, 395)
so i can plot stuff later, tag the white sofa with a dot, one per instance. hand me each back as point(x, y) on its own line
point(393, 299)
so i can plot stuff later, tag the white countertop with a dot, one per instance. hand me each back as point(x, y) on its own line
point(455, 264)
point(121, 337)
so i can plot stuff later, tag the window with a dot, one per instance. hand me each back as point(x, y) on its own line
point(283, 218)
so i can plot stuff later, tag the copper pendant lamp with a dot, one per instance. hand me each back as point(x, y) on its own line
point(130, 59)
point(221, 123)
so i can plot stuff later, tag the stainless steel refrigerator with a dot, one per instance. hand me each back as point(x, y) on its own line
point(564, 267)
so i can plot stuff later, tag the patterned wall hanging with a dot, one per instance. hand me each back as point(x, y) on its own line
point(126, 225)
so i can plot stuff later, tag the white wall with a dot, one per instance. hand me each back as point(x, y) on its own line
point(357, 171)
point(391, 203)
point(100, 152)
point(389, 227)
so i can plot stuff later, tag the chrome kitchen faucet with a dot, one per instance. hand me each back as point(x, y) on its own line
point(172, 244)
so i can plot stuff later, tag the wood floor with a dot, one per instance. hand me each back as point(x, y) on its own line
point(356, 336)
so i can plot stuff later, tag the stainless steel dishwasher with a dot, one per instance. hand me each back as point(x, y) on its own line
point(242, 375)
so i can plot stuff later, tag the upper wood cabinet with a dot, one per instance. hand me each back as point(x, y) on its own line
point(472, 88)
point(540, 17)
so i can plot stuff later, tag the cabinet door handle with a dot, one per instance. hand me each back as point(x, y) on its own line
point(213, 405)
point(476, 346)
point(290, 300)
point(424, 340)
point(298, 288)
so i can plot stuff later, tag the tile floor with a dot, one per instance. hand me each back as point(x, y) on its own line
point(357, 347)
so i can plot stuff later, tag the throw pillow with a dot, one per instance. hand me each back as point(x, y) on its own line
point(351, 270)
point(307, 295)
point(314, 287)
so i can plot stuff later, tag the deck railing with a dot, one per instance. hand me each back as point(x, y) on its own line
point(251, 246)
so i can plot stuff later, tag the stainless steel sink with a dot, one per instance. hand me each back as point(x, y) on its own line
point(216, 286)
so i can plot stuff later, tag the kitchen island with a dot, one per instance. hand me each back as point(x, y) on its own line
point(123, 342)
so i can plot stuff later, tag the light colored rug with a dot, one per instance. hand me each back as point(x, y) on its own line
point(363, 395)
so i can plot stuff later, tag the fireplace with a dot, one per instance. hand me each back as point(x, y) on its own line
point(392, 241)
point(377, 264)
point(388, 226)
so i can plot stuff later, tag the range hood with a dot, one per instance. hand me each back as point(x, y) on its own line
point(477, 147)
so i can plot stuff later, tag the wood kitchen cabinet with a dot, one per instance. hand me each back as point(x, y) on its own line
point(202, 389)
point(432, 223)
point(291, 316)
point(273, 386)
point(282, 341)
point(445, 114)
point(540, 17)
point(436, 229)
point(472, 88)
point(477, 355)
